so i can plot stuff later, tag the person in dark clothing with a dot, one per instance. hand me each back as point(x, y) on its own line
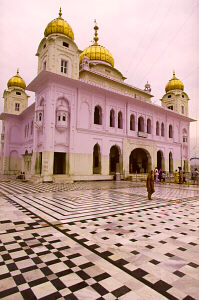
point(150, 184)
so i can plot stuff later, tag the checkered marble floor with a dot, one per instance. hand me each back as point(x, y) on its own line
point(98, 241)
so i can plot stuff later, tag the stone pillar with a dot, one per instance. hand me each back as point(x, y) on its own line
point(47, 166)
point(105, 164)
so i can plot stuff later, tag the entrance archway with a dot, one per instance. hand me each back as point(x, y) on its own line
point(59, 163)
point(139, 161)
point(96, 159)
point(114, 160)
point(160, 160)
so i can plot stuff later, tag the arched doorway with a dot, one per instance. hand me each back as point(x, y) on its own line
point(139, 161)
point(170, 162)
point(160, 160)
point(114, 160)
point(96, 159)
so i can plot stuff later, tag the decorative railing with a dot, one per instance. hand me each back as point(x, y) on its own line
point(142, 134)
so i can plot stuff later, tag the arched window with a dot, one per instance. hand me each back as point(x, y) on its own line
point(170, 131)
point(162, 129)
point(98, 115)
point(31, 130)
point(27, 133)
point(112, 118)
point(40, 116)
point(148, 126)
point(59, 118)
point(157, 128)
point(64, 118)
point(141, 124)
point(120, 125)
point(132, 122)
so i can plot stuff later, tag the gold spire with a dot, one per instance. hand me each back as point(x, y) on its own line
point(60, 13)
point(96, 34)
point(17, 72)
point(174, 73)
point(97, 52)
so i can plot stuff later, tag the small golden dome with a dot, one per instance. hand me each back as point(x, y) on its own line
point(17, 81)
point(97, 52)
point(59, 25)
point(174, 84)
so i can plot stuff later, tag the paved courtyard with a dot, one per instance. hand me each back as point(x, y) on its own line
point(98, 240)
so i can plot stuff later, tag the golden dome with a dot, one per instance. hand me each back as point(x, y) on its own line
point(17, 81)
point(97, 52)
point(174, 84)
point(59, 25)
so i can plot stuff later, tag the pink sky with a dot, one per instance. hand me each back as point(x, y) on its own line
point(147, 38)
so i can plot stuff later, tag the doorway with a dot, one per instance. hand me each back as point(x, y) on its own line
point(59, 163)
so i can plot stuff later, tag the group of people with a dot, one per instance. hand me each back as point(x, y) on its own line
point(195, 175)
point(159, 175)
point(179, 176)
point(21, 176)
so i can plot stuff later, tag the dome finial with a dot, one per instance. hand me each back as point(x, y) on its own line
point(60, 13)
point(96, 34)
point(174, 73)
point(17, 71)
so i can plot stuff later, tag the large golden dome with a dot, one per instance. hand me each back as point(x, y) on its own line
point(59, 25)
point(174, 84)
point(97, 52)
point(16, 81)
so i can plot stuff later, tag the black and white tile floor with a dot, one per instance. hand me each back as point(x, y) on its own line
point(101, 240)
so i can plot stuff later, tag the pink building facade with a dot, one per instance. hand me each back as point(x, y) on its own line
point(86, 122)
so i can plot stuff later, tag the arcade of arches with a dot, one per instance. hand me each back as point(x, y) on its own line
point(139, 161)
point(161, 161)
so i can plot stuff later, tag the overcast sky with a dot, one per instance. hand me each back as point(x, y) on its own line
point(147, 38)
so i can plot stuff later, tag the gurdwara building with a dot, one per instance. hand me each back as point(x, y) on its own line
point(86, 123)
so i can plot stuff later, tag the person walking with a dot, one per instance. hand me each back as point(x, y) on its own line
point(180, 175)
point(150, 184)
point(156, 174)
point(196, 176)
point(183, 177)
point(160, 175)
point(176, 176)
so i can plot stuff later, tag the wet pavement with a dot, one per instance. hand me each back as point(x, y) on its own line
point(98, 240)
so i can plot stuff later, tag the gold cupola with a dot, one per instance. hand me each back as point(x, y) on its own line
point(16, 81)
point(97, 52)
point(59, 25)
point(174, 84)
